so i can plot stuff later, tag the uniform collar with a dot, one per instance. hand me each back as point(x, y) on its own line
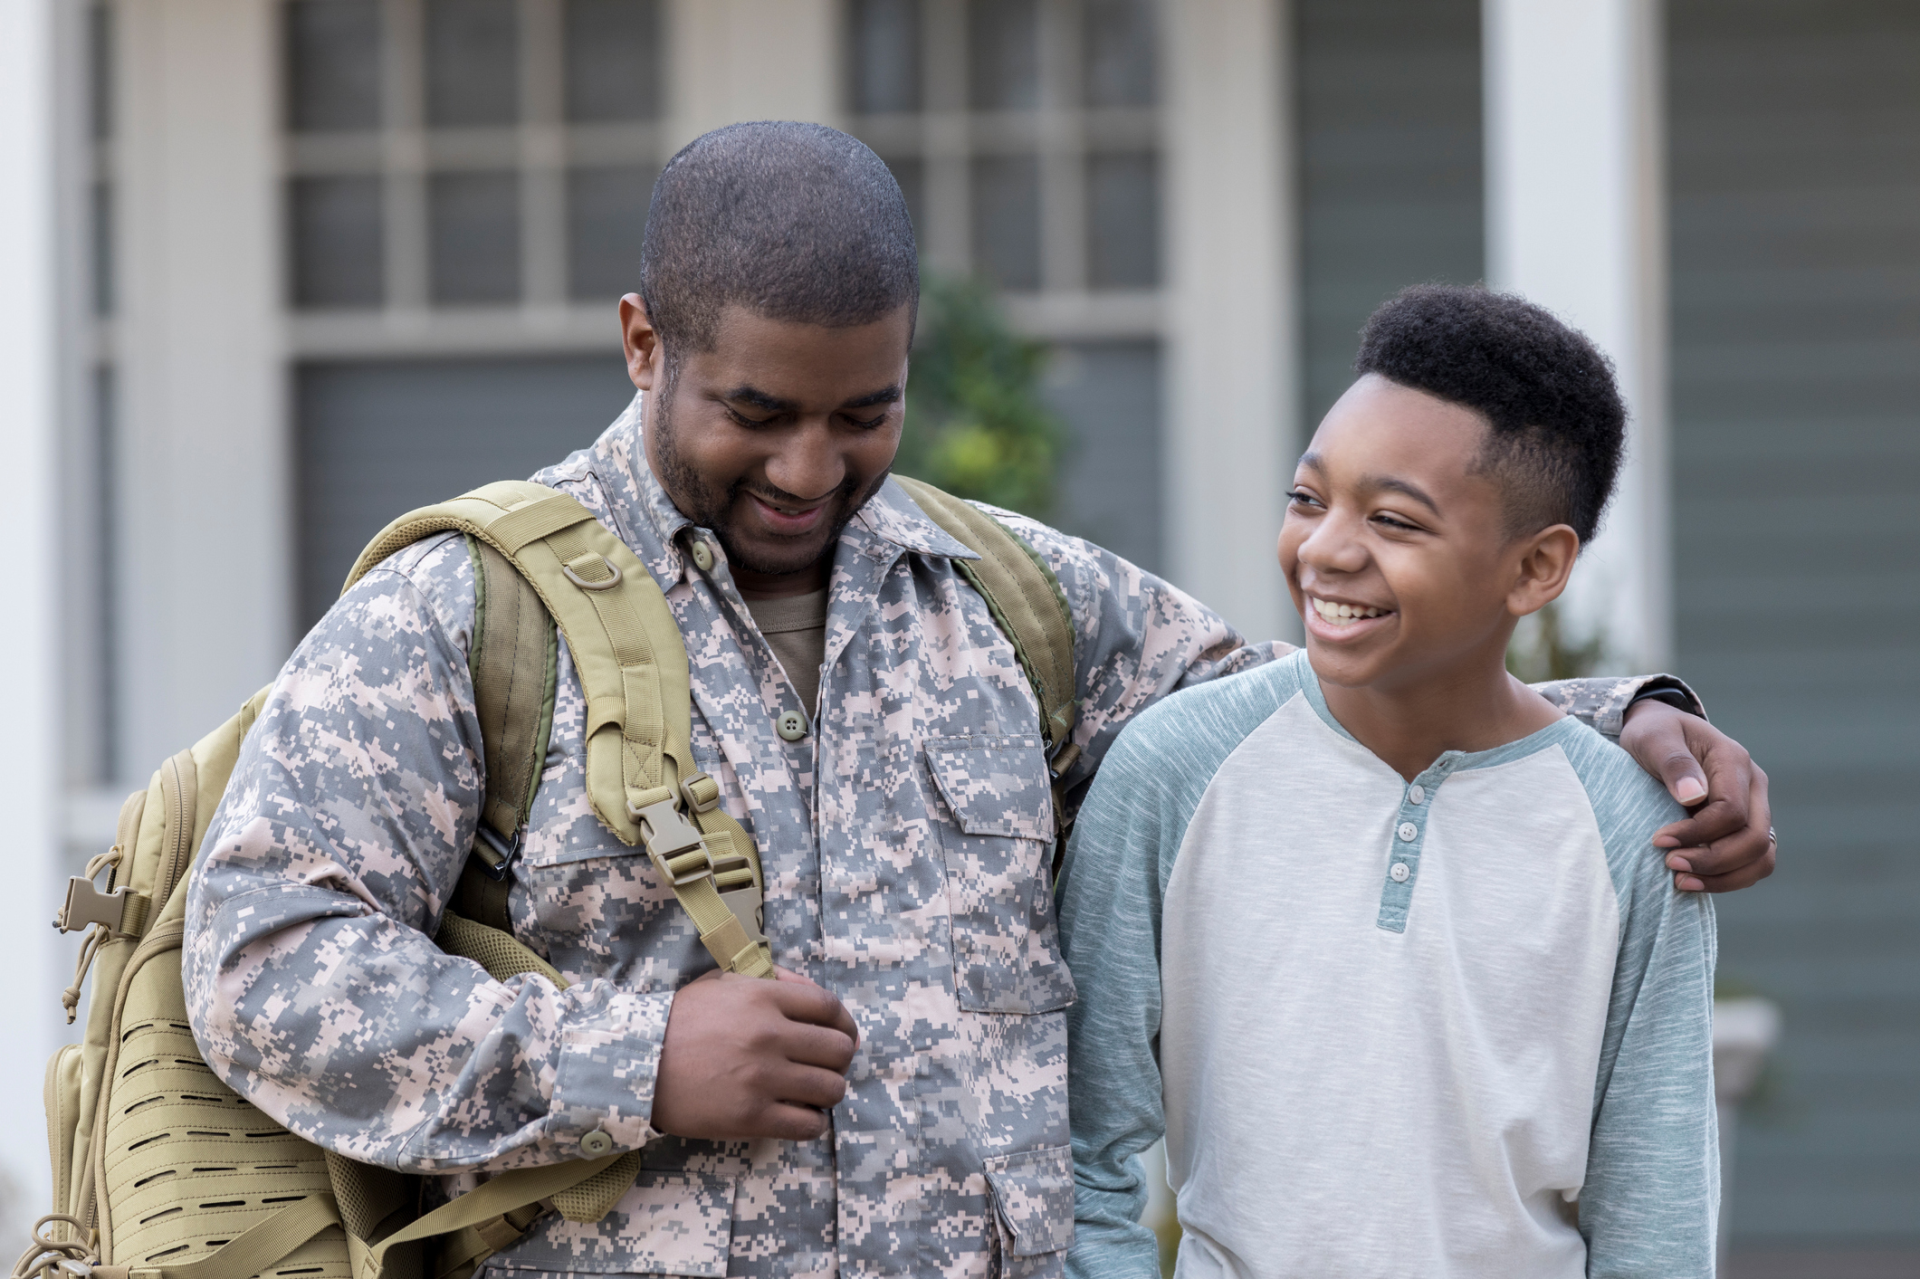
point(889, 523)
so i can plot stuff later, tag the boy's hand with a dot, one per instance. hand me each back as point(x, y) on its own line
point(745, 1058)
point(1727, 841)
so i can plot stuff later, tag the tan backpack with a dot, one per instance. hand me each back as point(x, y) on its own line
point(160, 1171)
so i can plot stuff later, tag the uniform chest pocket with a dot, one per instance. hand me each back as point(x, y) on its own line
point(997, 839)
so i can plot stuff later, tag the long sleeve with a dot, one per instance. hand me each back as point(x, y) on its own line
point(314, 988)
point(1650, 1202)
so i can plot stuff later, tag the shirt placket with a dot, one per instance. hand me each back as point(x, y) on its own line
point(1409, 837)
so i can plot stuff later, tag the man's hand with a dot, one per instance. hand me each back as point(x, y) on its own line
point(745, 1058)
point(1727, 842)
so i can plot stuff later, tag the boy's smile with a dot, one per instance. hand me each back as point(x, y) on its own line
point(1398, 554)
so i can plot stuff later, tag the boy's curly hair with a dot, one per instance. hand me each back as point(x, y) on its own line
point(1558, 423)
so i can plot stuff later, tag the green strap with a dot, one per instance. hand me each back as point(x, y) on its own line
point(510, 1193)
point(513, 660)
point(632, 665)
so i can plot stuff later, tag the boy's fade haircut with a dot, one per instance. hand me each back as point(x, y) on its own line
point(1558, 423)
point(793, 221)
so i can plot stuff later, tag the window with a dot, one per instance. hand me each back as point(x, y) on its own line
point(448, 155)
point(1025, 135)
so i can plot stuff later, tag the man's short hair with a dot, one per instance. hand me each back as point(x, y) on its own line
point(793, 221)
point(1558, 423)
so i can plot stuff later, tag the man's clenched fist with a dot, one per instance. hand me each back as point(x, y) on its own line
point(747, 1058)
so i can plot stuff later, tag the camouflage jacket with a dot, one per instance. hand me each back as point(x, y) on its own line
point(905, 839)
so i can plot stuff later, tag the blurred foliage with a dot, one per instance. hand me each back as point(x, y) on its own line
point(976, 423)
point(1541, 648)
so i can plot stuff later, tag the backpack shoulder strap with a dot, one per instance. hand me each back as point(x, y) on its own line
point(1026, 601)
point(632, 664)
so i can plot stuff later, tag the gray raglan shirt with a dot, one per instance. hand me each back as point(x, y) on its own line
point(1455, 1027)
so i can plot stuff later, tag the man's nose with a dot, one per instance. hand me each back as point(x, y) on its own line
point(807, 463)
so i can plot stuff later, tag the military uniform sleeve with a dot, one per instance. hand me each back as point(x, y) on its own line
point(313, 987)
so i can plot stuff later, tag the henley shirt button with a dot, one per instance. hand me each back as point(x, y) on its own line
point(595, 1144)
point(702, 555)
point(1407, 832)
point(1417, 793)
point(1399, 871)
point(792, 726)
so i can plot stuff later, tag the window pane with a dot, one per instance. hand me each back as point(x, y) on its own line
point(613, 59)
point(606, 215)
point(1003, 54)
point(911, 175)
point(338, 248)
point(886, 55)
point(378, 438)
point(1123, 223)
point(474, 224)
point(473, 62)
point(1006, 221)
point(100, 72)
point(1110, 490)
point(1119, 52)
point(100, 217)
point(333, 65)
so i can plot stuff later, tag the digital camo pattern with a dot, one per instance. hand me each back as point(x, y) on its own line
point(905, 843)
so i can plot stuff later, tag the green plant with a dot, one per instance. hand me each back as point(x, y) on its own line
point(1541, 648)
point(976, 424)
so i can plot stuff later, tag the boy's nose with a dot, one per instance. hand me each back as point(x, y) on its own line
point(1334, 547)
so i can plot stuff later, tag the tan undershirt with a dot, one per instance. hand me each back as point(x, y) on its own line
point(796, 630)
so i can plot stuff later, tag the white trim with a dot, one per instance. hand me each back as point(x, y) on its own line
point(206, 534)
point(29, 426)
point(1576, 222)
point(1233, 388)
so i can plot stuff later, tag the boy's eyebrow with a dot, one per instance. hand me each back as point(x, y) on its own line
point(1413, 491)
point(1388, 482)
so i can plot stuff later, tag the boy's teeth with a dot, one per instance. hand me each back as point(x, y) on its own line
point(1343, 612)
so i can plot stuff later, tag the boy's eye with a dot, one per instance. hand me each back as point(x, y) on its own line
point(1296, 497)
point(1395, 523)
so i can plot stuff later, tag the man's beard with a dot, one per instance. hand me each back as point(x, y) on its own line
point(713, 510)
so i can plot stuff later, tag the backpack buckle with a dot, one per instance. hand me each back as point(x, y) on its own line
point(675, 844)
point(701, 792)
point(86, 905)
point(496, 855)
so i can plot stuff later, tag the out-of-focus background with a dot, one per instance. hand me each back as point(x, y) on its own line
point(276, 270)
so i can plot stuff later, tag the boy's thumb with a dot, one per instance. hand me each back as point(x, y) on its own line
point(1686, 783)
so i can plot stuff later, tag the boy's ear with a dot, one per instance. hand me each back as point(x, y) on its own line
point(1545, 564)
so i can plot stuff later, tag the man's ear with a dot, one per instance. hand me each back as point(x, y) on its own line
point(1545, 563)
point(641, 341)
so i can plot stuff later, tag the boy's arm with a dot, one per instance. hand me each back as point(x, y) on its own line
point(1109, 912)
point(1651, 1199)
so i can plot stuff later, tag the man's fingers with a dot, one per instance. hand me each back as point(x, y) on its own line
point(820, 1046)
point(806, 1086)
point(791, 1123)
point(815, 1004)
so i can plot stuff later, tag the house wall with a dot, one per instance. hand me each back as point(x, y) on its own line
point(1795, 172)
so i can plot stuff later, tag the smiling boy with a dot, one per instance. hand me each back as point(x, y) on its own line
point(1374, 934)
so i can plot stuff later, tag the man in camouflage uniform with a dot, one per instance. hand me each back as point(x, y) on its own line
point(897, 1104)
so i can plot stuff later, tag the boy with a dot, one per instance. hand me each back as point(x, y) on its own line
point(1375, 934)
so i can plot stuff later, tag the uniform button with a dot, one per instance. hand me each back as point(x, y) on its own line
point(1399, 871)
point(702, 555)
point(792, 726)
point(1417, 794)
point(595, 1144)
point(1407, 831)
